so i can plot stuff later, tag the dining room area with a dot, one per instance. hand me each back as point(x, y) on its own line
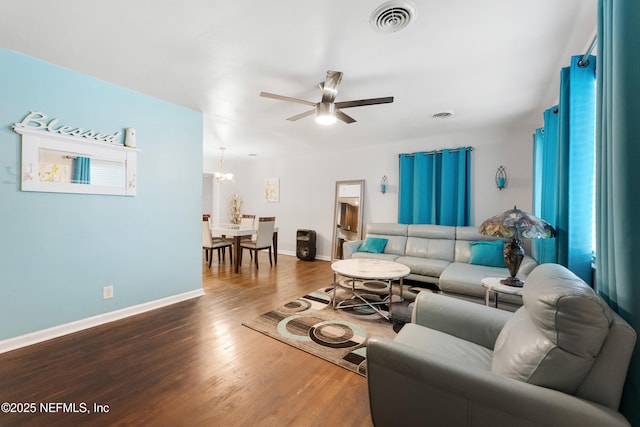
point(251, 233)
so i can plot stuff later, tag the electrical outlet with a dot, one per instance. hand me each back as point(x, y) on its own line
point(107, 292)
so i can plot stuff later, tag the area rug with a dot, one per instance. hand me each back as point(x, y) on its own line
point(340, 336)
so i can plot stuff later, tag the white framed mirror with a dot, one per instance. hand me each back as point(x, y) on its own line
point(347, 215)
point(48, 160)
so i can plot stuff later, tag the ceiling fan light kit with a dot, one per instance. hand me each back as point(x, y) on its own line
point(327, 111)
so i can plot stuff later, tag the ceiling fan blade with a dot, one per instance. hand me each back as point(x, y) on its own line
point(345, 118)
point(286, 98)
point(301, 115)
point(330, 86)
point(361, 102)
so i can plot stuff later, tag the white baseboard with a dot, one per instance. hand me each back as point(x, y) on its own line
point(288, 253)
point(79, 325)
point(320, 257)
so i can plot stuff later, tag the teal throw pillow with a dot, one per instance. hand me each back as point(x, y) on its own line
point(374, 245)
point(489, 253)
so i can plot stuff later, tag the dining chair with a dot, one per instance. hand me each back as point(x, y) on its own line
point(209, 243)
point(264, 239)
point(247, 221)
point(217, 238)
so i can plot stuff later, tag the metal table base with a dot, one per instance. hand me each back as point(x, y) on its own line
point(355, 293)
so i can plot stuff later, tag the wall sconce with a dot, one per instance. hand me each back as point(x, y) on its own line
point(383, 184)
point(501, 178)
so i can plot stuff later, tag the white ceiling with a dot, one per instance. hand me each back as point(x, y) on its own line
point(492, 63)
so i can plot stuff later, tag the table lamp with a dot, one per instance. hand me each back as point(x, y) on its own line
point(516, 224)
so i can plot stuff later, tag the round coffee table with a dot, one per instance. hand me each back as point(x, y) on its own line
point(369, 269)
point(492, 284)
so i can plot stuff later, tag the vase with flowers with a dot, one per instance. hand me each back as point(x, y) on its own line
point(235, 209)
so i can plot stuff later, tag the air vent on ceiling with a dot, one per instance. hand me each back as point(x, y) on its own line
point(392, 16)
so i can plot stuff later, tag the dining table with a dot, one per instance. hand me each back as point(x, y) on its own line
point(237, 232)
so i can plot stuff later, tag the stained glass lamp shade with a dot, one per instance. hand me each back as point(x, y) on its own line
point(516, 224)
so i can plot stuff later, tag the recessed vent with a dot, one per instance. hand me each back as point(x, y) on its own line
point(442, 115)
point(392, 16)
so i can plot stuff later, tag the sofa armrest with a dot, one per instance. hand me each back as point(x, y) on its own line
point(527, 266)
point(410, 388)
point(463, 319)
point(348, 248)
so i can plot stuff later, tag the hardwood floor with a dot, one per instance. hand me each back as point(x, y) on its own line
point(190, 364)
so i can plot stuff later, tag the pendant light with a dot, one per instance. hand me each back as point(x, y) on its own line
point(220, 176)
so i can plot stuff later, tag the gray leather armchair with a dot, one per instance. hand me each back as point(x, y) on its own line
point(560, 360)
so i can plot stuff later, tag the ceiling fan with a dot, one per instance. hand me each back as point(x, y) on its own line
point(327, 110)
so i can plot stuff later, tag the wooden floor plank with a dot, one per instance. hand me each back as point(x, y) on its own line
point(192, 363)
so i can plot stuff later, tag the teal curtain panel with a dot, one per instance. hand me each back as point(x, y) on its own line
point(435, 187)
point(81, 170)
point(564, 168)
point(618, 177)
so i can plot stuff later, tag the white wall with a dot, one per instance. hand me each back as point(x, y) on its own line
point(207, 194)
point(307, 185)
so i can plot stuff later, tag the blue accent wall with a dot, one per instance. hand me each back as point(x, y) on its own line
point(57, 251)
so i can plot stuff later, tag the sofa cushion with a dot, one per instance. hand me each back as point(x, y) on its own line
point(387, 257)
point(432, 231)
point(554, 339)
point(424, 266)
point(442, 345)
point(373, 244)
point(387, 229)
point(463, 278)
point(487, 253)
point(465, 235)
point(395, 244)
point(471, 233)
point(430, 248)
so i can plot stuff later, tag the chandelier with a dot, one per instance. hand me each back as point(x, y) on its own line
point(220, 176)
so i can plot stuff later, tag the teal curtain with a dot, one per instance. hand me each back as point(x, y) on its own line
point(81, 170)
point(435, 187)
point(576, 164)
point(545, 204)
point(564, 157)
point(618, 179)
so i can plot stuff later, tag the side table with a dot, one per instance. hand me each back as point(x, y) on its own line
point(492, 284)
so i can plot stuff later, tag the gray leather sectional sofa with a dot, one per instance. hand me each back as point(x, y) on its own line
point(559, 360)
point(440, 255)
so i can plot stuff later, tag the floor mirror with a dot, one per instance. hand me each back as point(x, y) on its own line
point(347, 215)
